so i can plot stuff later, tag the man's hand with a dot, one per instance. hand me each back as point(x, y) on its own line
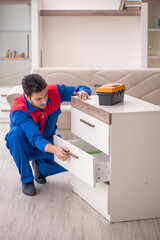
point(82, 95)
point(60, 152)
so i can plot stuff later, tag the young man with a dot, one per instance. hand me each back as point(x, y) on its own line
point(33, 119)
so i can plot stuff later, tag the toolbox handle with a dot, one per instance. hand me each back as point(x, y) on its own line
point(89, 124)
point(97, 85)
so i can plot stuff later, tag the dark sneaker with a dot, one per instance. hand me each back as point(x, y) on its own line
point(38, 176)
point(29, 189)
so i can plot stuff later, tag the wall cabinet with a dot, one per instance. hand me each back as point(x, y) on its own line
point(95, 37)
point(151, 35)
point(15, 49)
point(15, 43)
point(80, 37)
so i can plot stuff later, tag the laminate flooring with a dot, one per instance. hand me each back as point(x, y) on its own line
point(56, 213)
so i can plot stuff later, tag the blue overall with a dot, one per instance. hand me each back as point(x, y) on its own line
point(32, 129)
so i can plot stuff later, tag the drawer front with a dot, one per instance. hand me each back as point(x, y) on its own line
point(3, 94)
point(4, 116)
point(97, 197)
point(82, 167)
point(4, 112)
point(90, 129)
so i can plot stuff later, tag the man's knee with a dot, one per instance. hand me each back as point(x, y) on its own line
point(17, 131)
point(16, 134)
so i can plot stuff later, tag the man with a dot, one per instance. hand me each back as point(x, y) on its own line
point(33, 119)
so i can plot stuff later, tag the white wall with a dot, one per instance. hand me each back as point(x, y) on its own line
point(80, 4)
point(110, 42)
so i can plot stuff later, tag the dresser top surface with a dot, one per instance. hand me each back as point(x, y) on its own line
point(129, 105)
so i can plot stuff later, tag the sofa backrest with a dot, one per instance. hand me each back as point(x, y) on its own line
point(140, 83)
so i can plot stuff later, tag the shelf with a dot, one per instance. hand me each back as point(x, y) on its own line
point(4, 58)
point(14, 59)
point(90, 12)
point(150, 1)
point(12, 31)
point(15, 2)
point(154, 29)
point(154, 57)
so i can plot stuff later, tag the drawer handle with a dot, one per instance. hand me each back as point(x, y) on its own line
point(3, 95)
point(73, 155)
point(89, 124)
point(5, 110)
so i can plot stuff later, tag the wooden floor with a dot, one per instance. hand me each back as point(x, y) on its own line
point(56, 213)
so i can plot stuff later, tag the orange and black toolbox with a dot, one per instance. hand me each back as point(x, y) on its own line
point(110, 94)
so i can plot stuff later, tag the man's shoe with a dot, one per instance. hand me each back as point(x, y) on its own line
point(29, 189)
point(38, 176)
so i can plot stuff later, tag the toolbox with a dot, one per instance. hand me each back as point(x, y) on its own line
point(110, 94)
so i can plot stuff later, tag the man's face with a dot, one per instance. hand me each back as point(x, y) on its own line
point(39, 99)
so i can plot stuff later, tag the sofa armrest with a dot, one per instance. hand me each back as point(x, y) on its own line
point(64, 119)
point(15, 92)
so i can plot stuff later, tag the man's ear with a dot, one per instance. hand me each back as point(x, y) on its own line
point(28, 98)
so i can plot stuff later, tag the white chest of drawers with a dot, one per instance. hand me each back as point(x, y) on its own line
point(4, 106)
point(125, 183)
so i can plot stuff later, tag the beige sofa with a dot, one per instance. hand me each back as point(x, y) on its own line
point(140, 83)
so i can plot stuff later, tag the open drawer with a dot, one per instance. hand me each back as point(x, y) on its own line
point(87, 163)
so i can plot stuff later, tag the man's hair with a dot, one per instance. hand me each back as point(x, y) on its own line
point(33, 83)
